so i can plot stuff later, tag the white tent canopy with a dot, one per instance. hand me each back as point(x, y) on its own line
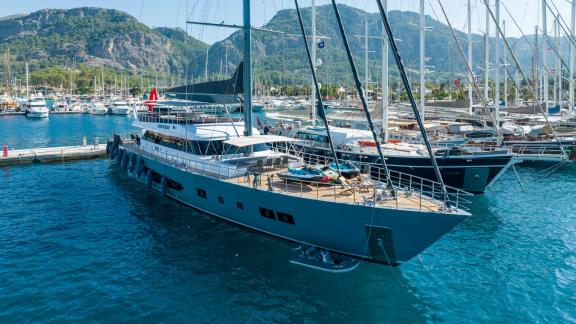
point(244, 141)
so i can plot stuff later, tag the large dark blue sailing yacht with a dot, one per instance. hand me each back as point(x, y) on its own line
point(227, 169)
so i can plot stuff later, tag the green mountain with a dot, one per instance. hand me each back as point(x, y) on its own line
point(283, 55)
point(103, 37)
point(95, 36)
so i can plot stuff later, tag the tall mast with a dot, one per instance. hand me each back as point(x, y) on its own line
point(226, 62)
point(505, 60)
point(366, 77)
point(206, 65)
point(321, 111)
point(544, 56)
point(385, 94)
point(558, 64)
point(487, 52)
point(313, 55)
point(422, 60)
point(537, 81)
point(470, 93)
point(247, 77)
point(497, 68)
point(573, 32)
point(27, 78)
point(408, 88)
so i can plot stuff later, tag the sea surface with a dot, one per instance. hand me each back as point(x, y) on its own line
point(83, 242)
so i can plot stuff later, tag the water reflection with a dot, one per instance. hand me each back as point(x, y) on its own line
point(251, 272)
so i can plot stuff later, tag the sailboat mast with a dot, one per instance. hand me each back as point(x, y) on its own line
point(487, 52)
point(537, 81)
point(367, 78)
point(385, 93)
point(206, 65)
point(422, 60)
point(470, 93)
point(27, 78)
point(544, 56)
point(571, 46)
point(226, 62)
point(313, 55)
point(558, 64)
point(505, 66)
point(247, 77)
point(321, 110)
point(497, 68)
point(408, 88)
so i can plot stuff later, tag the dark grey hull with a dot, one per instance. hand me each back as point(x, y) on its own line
point(388, 236)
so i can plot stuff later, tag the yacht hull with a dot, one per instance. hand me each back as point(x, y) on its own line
point(388, 236)
point(119, 111)
point(37, 114)
point(98, 112)
point(469, 173)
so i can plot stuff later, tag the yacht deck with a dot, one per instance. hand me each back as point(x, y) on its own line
point(354, 192)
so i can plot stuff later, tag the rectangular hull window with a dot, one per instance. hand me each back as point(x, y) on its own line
point(267, 213)
point(286, 218)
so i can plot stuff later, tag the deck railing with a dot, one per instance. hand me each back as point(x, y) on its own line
point(399, 180)
point(407, 192)
point(539, 150)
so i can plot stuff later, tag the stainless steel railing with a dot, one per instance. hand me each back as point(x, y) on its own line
point(410, 192)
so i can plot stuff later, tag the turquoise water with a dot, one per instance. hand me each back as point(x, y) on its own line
point(83, 242)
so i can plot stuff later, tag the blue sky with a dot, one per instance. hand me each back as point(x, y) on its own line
point(174, 12)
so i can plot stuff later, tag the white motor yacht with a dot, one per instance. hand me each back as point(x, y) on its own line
point(36, 107)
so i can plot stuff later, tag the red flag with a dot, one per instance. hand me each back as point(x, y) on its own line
point(151, 102)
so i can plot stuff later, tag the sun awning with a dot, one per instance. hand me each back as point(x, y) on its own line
point(257, 139)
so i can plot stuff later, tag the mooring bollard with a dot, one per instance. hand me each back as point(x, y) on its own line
point(5, 151)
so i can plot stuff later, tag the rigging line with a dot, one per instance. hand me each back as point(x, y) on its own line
point(470, 72)
point(361, 92)
point(563, 22)
point(544, 66)
point(140, 14)
point(408, 88)
point(513, 56)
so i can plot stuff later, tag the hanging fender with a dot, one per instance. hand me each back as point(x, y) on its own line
point(125, 160)
point(113, 152)
point(108, 147)
point(132, 162)
point(119, 156)
point(164, 186)
point(149, 178)
point(139, 165)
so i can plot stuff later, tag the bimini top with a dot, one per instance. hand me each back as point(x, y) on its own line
point(244, 141)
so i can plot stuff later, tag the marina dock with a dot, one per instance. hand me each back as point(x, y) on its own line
point(53, 154)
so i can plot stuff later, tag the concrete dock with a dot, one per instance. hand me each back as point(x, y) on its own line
point(53, 154)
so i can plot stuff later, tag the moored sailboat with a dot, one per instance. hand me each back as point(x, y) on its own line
point(227, 169)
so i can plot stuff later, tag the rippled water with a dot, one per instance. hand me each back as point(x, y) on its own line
point(82, 241)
